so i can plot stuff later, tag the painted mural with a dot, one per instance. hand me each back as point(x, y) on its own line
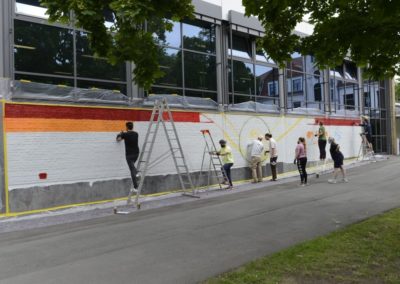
point(67, 144)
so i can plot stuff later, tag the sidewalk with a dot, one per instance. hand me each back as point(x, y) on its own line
point(192, 241)
point(102, 209)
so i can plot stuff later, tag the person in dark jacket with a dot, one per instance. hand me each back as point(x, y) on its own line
point(131, 139)
point(367, 132)
point(337, 157)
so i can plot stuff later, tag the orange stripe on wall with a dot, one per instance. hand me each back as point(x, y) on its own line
point(62, 125)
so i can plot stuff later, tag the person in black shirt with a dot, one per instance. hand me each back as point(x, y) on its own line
point(131, 139)
point(366, 135)
point(337, 157)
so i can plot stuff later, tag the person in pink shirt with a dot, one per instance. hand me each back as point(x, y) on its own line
point(301, 159)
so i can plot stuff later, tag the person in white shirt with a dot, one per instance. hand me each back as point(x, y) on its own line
point(257, 149)
point(273, 155)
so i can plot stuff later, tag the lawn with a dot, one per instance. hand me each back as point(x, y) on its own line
point(366, 252)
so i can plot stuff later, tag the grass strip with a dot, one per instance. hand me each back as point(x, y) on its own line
point(366, 252)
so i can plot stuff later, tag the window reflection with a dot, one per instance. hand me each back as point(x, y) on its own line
point(263, 57)
point(200, 71)
point(350, 71)
point(199, 36)
point(90, 66)
point(202, 94)
point(45, 80)
point(88, 84)
point(169, 38)
point(171, 65)
point(30, 8)
point(43, 49)
point(241, 47)
point(296, 63)
point(165, 91)
point(243, 77)
point(267, 81)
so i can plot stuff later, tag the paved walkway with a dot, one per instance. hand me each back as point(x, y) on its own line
point(192, 241)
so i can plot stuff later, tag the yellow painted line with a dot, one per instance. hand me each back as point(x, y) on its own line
point(16, 214)
point(290, 128)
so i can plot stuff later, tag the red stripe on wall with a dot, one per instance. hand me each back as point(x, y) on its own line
point(337, 121)
point(65, 112)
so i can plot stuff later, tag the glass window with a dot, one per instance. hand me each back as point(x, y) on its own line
point(337, 72)
point(43, 49)
point(350, 96)
point(267, 81)
point(243, 77)
point(30, 8)
point(295, 82)
point(296, 104)
point(313, 85)
point(296, 63)
point(87, 84)
point(89, 66)
point(169, 38)
point(165, 91)
point(297, 85)
point(263, 57)
point(45, 80)
point(200, 71)
point(241, 47)
point(201, 94)
point(171, 65)
point(199, 36)
point(350, 71)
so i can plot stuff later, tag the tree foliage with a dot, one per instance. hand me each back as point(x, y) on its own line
point(365, 31)
point(128, 39)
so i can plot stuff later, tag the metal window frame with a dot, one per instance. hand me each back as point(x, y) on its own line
point(71, 26)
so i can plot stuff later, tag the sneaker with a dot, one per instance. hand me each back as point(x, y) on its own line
point(133, 190)
point(345, 180)
point(303, 184)
point(332, 181)
point(229, 187)
point(225, 182)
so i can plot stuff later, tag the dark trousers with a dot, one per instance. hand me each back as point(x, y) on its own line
point(226, 170)
point(322, 151)
point(301, 165)
point(131, 160)
point(273, 167)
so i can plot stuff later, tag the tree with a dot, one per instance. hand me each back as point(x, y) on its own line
point(365, 31)
point(128, 39)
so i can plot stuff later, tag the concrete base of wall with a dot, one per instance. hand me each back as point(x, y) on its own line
point(33, 198)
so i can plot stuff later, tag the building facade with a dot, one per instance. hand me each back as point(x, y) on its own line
point(62, 105)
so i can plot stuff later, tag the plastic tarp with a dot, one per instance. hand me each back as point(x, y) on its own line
point(182, 101)
point(46, 92)
point(300, 110)
point(254, 107)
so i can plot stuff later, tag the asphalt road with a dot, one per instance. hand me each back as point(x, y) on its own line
point(190, 242)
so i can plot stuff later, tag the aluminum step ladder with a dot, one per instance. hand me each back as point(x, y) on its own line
point(365, 153)
point(161, 115)
point(215, 166)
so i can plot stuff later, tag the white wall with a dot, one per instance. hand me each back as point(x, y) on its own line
point(69, 157)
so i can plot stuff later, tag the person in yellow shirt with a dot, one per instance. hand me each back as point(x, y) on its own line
point(227, 160)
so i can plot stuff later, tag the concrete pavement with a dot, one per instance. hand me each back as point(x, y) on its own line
point(189, 242)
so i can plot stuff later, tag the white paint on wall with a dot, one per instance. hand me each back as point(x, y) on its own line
point(76, 156)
